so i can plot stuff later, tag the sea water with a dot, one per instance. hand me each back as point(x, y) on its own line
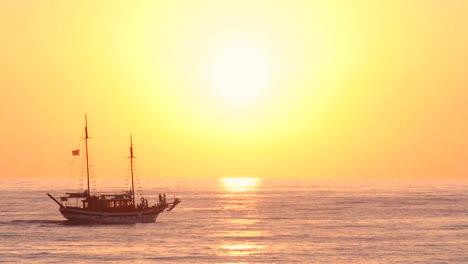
point(250, 221)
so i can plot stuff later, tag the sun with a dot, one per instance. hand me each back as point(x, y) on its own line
point(239, 74)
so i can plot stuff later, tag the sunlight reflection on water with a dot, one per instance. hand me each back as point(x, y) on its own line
point(241, 184)
point(240, 249)
point(240, 232)
point(247, 233)
point(240, 221)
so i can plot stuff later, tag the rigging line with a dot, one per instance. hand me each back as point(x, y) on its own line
point(80, 139)
point(72, 162)
point(77, 146)
point(157, 175)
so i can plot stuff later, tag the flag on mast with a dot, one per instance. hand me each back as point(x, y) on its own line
point(76, 152)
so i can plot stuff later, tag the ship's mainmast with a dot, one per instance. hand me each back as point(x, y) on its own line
point(87, 160)
point(131, 169)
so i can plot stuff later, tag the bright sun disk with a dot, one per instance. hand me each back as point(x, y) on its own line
point(239, 74)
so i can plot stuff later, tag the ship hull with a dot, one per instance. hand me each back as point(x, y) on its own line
point(80, 215)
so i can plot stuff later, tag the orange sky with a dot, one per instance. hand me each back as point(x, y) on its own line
point(348, 89)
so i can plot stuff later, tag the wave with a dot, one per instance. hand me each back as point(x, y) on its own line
point(39, 222)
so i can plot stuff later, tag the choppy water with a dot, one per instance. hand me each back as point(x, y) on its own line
point(268, 221)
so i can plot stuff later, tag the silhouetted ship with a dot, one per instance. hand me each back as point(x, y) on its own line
point(112, 208)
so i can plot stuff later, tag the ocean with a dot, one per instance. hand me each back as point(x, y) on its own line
point(250, 220)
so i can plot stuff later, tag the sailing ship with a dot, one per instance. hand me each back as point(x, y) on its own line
point(113, 208)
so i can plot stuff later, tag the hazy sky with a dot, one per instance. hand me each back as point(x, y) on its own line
point(236, 88)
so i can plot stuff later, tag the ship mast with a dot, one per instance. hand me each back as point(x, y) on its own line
point(131, 169)
point(87, 160)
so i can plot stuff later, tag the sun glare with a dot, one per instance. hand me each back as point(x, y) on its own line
point(240, 184)
point(239, 74)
